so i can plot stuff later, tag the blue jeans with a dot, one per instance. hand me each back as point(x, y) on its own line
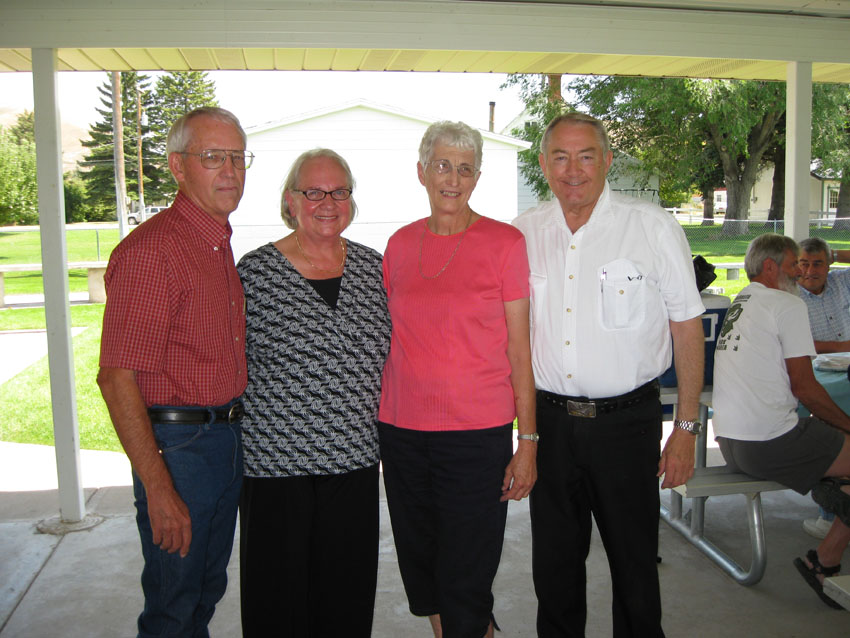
point(205, 462)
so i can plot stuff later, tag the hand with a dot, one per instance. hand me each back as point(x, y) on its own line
point(170, 521)
point(521, 473)
point(677, 458)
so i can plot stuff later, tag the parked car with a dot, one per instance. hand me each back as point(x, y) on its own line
point(150, 211)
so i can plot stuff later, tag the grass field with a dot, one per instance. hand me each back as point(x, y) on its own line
point(25, 408)
point(25, 248)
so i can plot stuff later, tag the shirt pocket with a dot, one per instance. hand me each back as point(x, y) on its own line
point(623, 295)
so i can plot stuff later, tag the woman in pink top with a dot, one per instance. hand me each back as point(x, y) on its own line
point(458, 372)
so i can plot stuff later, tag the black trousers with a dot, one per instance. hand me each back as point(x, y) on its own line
point(309, 555)
point(606, 467)
point(443, 491)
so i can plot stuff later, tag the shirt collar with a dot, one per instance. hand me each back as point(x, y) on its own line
point(601, 211)
point(208, 229)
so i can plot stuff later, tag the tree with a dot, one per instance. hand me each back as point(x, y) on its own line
point(18, 187)
point(831, 137)
point(98, 172)
point(176, 94)
point(24, 128)
point(668, 123)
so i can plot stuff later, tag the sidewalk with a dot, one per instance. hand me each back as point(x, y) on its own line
point(86, 584)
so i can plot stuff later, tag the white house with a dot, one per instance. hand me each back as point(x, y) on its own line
point(381, 145)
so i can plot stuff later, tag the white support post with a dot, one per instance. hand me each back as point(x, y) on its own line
point(51, 214)
point(798, 149)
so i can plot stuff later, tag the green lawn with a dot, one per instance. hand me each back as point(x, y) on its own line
point(25, 408)
point(25, 248)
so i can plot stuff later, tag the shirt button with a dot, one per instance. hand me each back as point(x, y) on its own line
point(569, 309)
point(569, 376)
point(566, 342)
point(622, 292)
point(215, 248)
point(572, 247)
point(571, 276)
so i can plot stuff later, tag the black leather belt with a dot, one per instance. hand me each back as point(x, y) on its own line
point(591, 408)
point(230, 413)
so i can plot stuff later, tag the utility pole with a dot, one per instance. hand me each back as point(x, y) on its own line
point(118, 154)
point(142, 213)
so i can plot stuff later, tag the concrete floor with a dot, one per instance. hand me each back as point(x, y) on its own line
point(86, 584)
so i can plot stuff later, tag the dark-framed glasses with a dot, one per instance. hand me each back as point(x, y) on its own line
point(317, 194)
point(443, 166)
point(216, 157)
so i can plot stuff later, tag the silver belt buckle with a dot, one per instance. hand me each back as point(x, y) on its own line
point(586, 409)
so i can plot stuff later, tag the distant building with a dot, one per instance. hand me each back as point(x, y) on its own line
point(381, 144)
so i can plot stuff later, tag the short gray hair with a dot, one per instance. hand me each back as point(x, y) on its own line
point(294, 175)
point(179, 138)
point(767, 246)
point(812, 245)
point(576, 118)
point(456, 134)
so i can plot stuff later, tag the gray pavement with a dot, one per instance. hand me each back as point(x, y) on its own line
point(86, 584)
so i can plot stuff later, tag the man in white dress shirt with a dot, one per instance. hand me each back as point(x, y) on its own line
point(611, 280)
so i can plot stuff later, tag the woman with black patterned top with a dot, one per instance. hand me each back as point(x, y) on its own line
point(318, 332)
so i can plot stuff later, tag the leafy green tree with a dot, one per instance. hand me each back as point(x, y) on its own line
point(18, 187)
point(670, 122)
point(831, 137)
point(24, 128)
point(176, 94)
point(77, 208)
point(98, 165)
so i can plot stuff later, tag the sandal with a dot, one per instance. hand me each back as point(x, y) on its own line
point(829, 495)
point(811, 575)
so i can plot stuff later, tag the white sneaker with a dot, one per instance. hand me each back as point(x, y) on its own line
point(817, 527)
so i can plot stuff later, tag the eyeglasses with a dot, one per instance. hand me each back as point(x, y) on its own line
point(216, 157)
point(442, 167)
point(317, 194)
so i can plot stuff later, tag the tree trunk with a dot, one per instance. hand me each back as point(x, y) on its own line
point(708, 207)
point(777, 193)
point(842, 212)
point(554, 87)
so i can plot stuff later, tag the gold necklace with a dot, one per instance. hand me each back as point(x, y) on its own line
point(307, 259)
point(454, 252)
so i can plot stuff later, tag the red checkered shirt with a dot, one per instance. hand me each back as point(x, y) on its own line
point(175, 311)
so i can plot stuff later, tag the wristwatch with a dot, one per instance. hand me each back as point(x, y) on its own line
point(533, 437)
point(694, 427)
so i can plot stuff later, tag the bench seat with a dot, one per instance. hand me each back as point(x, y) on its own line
point(719, 480)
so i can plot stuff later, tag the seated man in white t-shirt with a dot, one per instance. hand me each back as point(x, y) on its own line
point(762, 368)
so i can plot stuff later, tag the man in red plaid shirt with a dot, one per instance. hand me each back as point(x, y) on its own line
point(172, 370)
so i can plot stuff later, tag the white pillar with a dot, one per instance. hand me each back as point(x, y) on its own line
point(798, 148)
point(54, 260)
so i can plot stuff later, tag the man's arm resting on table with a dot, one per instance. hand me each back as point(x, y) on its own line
point(677, 458)
point(812, 394)
point(825, 347)
point(521, 473)
point(169, 516)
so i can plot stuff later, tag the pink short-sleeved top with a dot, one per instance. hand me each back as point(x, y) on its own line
point(448, 367)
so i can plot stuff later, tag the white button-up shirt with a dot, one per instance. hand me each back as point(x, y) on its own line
point(602, 297)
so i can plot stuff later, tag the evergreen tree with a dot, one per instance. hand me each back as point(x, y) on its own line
point(98, 166)
point(175, 94)
point(24, 128)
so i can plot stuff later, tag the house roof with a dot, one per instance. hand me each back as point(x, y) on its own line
point(380, 108)
point(746, 39)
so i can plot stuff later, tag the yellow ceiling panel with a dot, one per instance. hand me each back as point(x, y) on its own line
point(318, 59)
point(200, 59)
point(405, 60)
point(169, 59)
point(433, 60)
point(461, 60)
point(259, 59)
point(78, 60)
point(140, 59)
point(289, 59)
point(491, 62)
point(230, 59)
point(348, 59)
point(14, 60)
point(107, 59)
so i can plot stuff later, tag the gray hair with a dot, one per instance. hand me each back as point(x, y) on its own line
point(456, 134)
point(179, 134)
point(812, 245)
point(767, 246)
point(576, 118)
point(295, 175)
